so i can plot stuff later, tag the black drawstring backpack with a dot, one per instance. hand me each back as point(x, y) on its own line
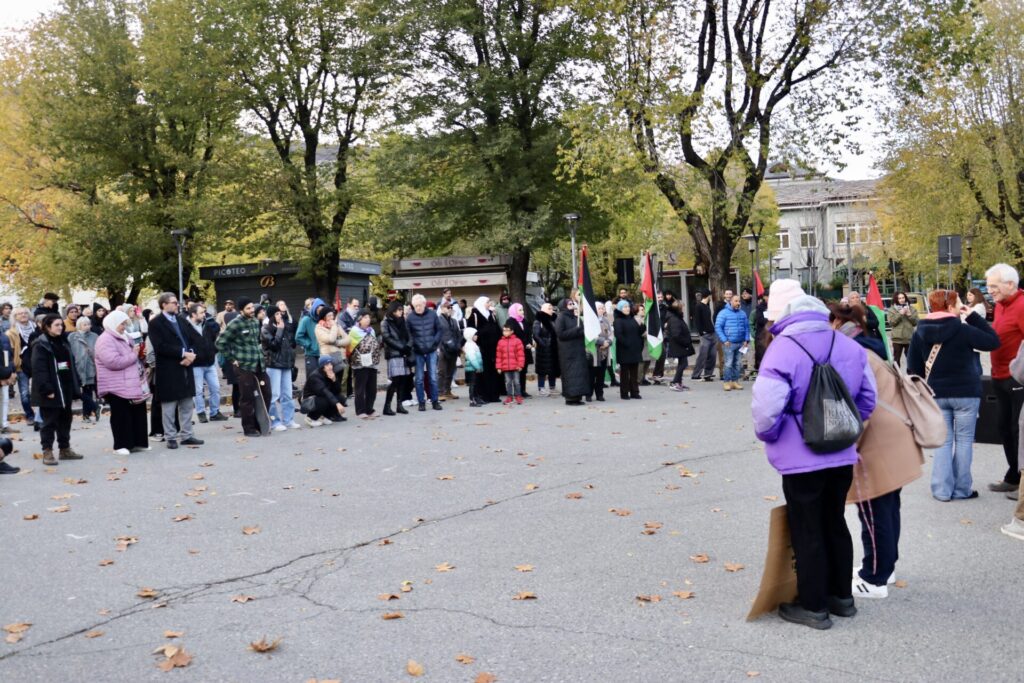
point(831, 421)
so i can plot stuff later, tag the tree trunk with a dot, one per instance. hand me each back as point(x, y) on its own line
point(517, 275)
point(115, 295)
point(720, 262)
point(324, 264)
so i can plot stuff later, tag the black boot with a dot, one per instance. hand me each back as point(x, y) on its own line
point(387, 401)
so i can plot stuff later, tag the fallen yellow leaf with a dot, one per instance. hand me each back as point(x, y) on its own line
point(414, 668)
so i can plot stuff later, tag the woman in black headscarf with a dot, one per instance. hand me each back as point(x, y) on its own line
point(489, 384)
point(398, 353)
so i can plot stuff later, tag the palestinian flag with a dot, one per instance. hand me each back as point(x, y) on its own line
point(652, 316)
point(588, 304)
point(877, 308)
point(757, 284)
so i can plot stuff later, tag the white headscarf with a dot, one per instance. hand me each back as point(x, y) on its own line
point(112, 320)
point(481, 306)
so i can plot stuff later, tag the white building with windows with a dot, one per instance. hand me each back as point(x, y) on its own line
point(816, 216)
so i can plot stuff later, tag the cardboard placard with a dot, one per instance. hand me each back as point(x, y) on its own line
point(778, 582)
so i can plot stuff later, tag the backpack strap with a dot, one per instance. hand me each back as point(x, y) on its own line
point(931, 360)
point(813, 359)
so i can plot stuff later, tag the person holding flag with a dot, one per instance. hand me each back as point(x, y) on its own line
point(629, 345)
point(652, 312)
point(578, 329)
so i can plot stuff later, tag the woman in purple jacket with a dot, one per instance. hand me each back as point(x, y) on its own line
point(119, 379)
point(815, 485)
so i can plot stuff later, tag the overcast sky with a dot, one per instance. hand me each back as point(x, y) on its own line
point(15, 13)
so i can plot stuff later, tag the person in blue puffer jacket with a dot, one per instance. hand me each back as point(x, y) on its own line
point(733, 329)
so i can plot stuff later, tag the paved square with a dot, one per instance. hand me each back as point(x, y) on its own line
point(445, 518)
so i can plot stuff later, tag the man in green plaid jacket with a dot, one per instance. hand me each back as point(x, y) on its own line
point(239, 346)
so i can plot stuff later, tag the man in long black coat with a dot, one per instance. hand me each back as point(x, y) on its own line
point(572, 353)
point(175, 380)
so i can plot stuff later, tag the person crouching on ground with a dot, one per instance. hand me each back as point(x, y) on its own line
point(815, 485)
point(323, 386)
point(509, 360)
point(474, 363)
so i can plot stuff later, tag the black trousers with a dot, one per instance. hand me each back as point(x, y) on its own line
point(680, 369)
point(324, 408)
point(629, 380)
point(898, 350)
point(659, 365)
point(880, 534)
point(56, 421)
point(365, 380)
point(248, 384)
point(1010, 397)
point(821, 539)
point(597, 373)
point(471, 385)
point(128, 423)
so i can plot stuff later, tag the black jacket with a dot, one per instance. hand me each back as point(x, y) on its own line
point(629, 339)
point(680, 344)
point(53, 372)
point(319, 384)
point(956, 372)
point(572, 353)
point(519, 330)
point(174, 381)
point(452, 339)
point(203, 344)
point(546, 341)
point(702, 319)
point(395, 334)
point(425, 330)
point(278, 346)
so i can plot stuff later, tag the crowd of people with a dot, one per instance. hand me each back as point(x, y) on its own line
point(123, 360)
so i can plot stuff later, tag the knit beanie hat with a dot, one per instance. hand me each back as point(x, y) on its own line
point(324, 361)
point(779, 295)
point(243, 301)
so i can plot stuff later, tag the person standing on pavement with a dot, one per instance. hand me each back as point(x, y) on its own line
point(629, 344)
point(678, 344)
point(1002, 282)
point(305, 335)
point(21, 335)
point(488, 331)
point(517, 316)
point(448, 352)
point(365, 359)
point(279, 351)
point(239, 344)
point(47, 305)
point(8, 378)
point(704, 366)
point(815, 484)
point(902, 319)
point(457, 313)
point(719, 307)
point(426, 331)
point(331, 337)
point(347, 318)
point(54, 388)
point(398, 354)
point(733, 330)
point(474, 363)
point(174, 375)
point(502, 311)
point(572, 353)
point(201, 334)
point(509, 359)
point(72, 314)
point(120, 380)
point(760, 331)
point(546, 342)
point(83, 349)
point(599, 359)
point(943, 350)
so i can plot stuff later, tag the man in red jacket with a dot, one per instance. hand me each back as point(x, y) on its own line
point(510, 359)
point(1002, 282)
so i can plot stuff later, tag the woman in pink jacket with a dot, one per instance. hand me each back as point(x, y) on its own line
point(120, 381)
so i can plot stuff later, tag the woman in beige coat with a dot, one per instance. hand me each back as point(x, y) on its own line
point(331, 337)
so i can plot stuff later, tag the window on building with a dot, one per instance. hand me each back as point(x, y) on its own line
point(808, 238)
point(784, 241)
point(860, 233)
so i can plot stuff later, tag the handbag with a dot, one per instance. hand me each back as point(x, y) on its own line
point(307, 405)
point(923, 412)
point(144, 384)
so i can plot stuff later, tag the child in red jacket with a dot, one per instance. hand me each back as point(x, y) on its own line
point(510, 359)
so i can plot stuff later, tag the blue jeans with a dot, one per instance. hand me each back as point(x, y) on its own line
point(24, 390)
point(282, 407)
point(430, 361)
point(732, 361)
point(207, 375)
point(951, 466)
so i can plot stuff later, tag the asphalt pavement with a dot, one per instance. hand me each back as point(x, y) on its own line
point(369, 549)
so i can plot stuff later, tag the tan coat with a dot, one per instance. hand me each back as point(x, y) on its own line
point(333, 342)
point(889, 456)
point(15, 338)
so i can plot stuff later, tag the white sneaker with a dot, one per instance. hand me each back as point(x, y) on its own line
point(409, 403)
point(294, 425)
point(543, 392)
point(892, 578)
point(280, 428)
point(313, 423)
point(1015, 529)
point(863, 589)
point(122, 451)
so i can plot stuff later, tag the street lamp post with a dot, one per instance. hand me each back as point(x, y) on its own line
point(572, 219)
point(969, 245)
point(753, 246)
point(179, 241)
